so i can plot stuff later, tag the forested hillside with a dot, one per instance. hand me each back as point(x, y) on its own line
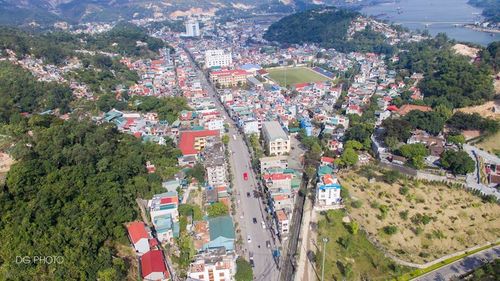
point(55, 47)
point(449, 79)
point(21, 92)
point(327, 27)
point(72, 189)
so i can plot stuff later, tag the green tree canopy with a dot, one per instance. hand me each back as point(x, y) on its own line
point(217, 209)
point(458, 162)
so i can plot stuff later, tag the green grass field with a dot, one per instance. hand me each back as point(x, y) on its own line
point(290, 76)
point(351, 256)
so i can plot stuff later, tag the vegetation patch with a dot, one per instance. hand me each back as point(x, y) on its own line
point(349, 254)
point(287, 76)
point(419, 221)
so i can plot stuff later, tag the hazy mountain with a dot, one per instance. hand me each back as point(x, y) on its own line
point(17, 12)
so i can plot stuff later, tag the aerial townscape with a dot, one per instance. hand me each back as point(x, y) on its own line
point(267, 140)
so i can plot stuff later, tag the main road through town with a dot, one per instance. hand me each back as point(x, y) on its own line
point(247, 207)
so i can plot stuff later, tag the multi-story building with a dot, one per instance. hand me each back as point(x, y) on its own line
point(164, 215)
point(218, 265)
point(282, 222)
point(276, 139)
point(327, 191)
point(215, 163)
point(192, 142)
point(229, 78)
point(218, 58)
point(192, 28)
point(273, 162)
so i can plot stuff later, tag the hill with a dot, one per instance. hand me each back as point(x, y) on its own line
point(328, 27)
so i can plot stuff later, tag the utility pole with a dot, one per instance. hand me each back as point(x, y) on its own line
point(325, 240)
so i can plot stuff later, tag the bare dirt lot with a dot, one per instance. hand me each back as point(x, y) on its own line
point(5, 162)
point(431, 220)
point(465, 50)
point(486, 110)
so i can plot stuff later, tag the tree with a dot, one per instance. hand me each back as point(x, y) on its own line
point(197, 172)
point(431, 122)
point(225, 139)
point(396, 130)
point(456, 139)
point(217, 209)
point(356, 145)
point(244, 271)
point(458, 162)
point(416, 153)
point(349, 157)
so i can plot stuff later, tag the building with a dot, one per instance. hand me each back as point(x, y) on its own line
point(153, 266)
point(221, 230)
point(192, 28)
point(276, 139)
point(218, 58)
point(138, 236)
point(164, 215)
point(327, 191)
point(229, 78)
point(218, 265)
point(192, 142)
point(405, 109)
point(273, 162)
point(282, 222)
point(214, 162)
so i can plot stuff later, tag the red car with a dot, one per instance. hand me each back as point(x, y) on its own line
point(245, 176)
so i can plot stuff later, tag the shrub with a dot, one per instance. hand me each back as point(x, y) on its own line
point(404, 190)
point(391, 176)
point(390, 229)
point(356, 204)
point(404, 214)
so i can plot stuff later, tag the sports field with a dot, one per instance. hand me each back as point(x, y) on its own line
point(287, 76)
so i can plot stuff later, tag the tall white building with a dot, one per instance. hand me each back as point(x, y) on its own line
point(218, 58)
point(192, 28)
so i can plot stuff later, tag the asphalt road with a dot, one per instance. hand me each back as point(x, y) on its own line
point(462, 266)
point(248, 208)
point(473, 178)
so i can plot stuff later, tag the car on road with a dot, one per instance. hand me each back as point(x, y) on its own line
point(254, 220)
point(234, 137)
point(248, 194)
point(268, 244)
point(245, 176)
point(263, 224)
point(249, 240)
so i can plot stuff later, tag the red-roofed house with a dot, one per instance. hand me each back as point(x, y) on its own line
point(153, 266)
point(138, 236)
point(327, 160)
point(192, 142)
point(405, 109)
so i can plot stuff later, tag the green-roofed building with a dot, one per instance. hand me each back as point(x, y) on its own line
point(324, 170)
point(221, 233)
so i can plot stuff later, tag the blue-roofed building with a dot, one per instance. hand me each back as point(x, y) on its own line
point(222, 233)
point(166, 228)
point(305, 124)
point(164, 215)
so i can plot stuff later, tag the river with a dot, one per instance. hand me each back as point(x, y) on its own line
point(435, 15)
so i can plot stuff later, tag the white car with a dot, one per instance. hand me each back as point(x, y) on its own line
point(234, 137)
point(263, 224)
point(249, 240)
